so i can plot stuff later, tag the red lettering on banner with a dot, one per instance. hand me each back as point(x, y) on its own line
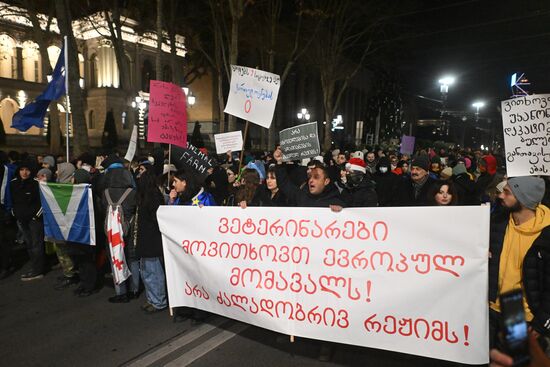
point(420, 328)
point(286, 310)
point(305, 228)
point(339, 287)
point(247, 251)
point(386, 261)
point(195, 291)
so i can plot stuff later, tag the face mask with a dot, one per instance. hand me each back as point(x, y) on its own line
point(383, 169)
point(354, 179)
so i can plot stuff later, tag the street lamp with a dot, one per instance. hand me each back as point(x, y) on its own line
point(303, 114)
point(477, 105)
point(191, 99)
point(444, 83)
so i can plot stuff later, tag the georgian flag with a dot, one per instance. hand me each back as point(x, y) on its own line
point(115, 237)
point(68, 212)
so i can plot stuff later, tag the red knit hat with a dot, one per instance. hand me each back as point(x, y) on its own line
point(356, 164)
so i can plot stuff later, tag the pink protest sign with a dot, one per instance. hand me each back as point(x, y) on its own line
point(167, 114)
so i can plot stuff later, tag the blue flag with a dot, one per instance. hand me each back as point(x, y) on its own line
point(33, 113)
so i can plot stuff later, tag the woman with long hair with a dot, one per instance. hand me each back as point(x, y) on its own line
point(250, 181)
point(148, 241)
point(443, 193)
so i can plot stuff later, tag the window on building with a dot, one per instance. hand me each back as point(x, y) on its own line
point(167, 73)
point(31, 62)
point(147, 74)
point(8, 58)
point(93, 71)
point(91, 121)
point(53, 55)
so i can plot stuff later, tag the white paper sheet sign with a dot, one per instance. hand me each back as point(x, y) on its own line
point(253, 95)
point(231, 141)
point(376, 277)
point(526, 127)
point(132, 144)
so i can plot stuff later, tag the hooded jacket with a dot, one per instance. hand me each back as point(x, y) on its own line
point(535, 267)
point(387, 184)
point(26, 199)
point(65, 172)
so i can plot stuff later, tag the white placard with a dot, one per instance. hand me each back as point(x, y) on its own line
point(526, 127)
point(132, 144)
point(375, 277)
point(253, 95)
point(231, 141)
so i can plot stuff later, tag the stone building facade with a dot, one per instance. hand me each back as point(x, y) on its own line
point(21, 78)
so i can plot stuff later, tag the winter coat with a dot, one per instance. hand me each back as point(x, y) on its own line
point(406, 193)
point(387, 186)
point(26, 199)
point(149, 240)
point(329, 196)
point(465, 189)
point(362, 195)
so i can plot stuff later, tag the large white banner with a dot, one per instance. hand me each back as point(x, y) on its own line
point(253, 95)
point(526, 124)
point(401, 279)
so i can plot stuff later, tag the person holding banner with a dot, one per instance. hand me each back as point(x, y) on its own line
point(186, 192)
point(520, 254)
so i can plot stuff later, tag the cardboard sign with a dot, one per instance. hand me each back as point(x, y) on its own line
point(132, 144)
point(526, 126)
point(375, 277)
point(407, 144)
point(299, 142)
point(167, 114)
point(231, 141)
point(253, 95)
point(192, 158)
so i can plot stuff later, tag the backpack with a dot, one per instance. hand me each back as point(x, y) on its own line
point(112, 206)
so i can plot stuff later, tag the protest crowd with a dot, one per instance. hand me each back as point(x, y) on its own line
point(520, 218)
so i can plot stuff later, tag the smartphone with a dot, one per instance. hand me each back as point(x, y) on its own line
point(515, 337)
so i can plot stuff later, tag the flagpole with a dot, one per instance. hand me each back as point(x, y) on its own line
point(66, 57)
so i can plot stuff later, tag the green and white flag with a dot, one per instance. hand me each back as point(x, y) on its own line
point(68, 212)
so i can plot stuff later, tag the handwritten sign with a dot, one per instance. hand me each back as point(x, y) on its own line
point(526, 126)
point(253, 95)
point(407, 144)
point(167, 114)
point(374, 277)
point(299, 142)
point(192, 158)
point(231, 141)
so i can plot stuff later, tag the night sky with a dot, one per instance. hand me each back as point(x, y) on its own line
point(480, 42)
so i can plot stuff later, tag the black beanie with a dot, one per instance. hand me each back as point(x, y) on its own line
point(421, 161)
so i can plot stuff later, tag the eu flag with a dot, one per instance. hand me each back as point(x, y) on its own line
point(33, 113)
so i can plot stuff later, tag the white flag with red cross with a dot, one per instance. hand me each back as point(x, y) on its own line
point(121, 272)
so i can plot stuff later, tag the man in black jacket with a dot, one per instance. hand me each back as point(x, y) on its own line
point(27, 210)
point(321, 192)
point(414, 189)
point(520, 253)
